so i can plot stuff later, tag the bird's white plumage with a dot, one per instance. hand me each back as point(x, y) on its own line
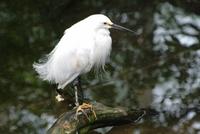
point(83, 45)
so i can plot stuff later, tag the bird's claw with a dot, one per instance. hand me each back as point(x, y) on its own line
point(82, 109)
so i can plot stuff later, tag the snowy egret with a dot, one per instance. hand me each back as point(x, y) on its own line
point(84, 45)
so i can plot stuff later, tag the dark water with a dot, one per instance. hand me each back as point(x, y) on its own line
point(158, 69)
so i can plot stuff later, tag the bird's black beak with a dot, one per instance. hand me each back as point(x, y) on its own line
point(115, 26)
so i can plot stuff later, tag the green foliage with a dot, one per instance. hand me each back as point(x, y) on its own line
point(159, 68)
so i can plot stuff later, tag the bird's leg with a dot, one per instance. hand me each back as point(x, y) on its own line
point(76, 96)
point(83, 106)
point(78, 89)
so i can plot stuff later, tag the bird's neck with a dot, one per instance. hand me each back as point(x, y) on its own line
point(103, 31)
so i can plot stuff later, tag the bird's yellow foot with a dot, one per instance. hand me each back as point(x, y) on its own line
point(59, 98)
point(84, 107)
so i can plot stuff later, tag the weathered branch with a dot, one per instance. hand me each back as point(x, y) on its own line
point(106, 116)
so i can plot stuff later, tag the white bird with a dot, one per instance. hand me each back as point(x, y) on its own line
point(84, 45)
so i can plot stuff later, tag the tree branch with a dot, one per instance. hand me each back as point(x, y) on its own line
point(106, 116)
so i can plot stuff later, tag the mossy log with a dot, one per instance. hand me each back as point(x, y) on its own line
point(69, 123)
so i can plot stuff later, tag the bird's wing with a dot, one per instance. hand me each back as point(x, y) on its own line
point(70, 58)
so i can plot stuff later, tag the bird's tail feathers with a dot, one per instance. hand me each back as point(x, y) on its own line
point(42, 68)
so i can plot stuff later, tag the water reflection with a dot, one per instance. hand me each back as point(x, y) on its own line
point(172, 23)
point(158, 69)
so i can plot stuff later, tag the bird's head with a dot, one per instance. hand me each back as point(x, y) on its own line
point(100, 21)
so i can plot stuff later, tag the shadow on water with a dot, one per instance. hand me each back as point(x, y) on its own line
point(158, 69)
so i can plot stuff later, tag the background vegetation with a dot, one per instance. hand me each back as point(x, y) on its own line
point(158, 69)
